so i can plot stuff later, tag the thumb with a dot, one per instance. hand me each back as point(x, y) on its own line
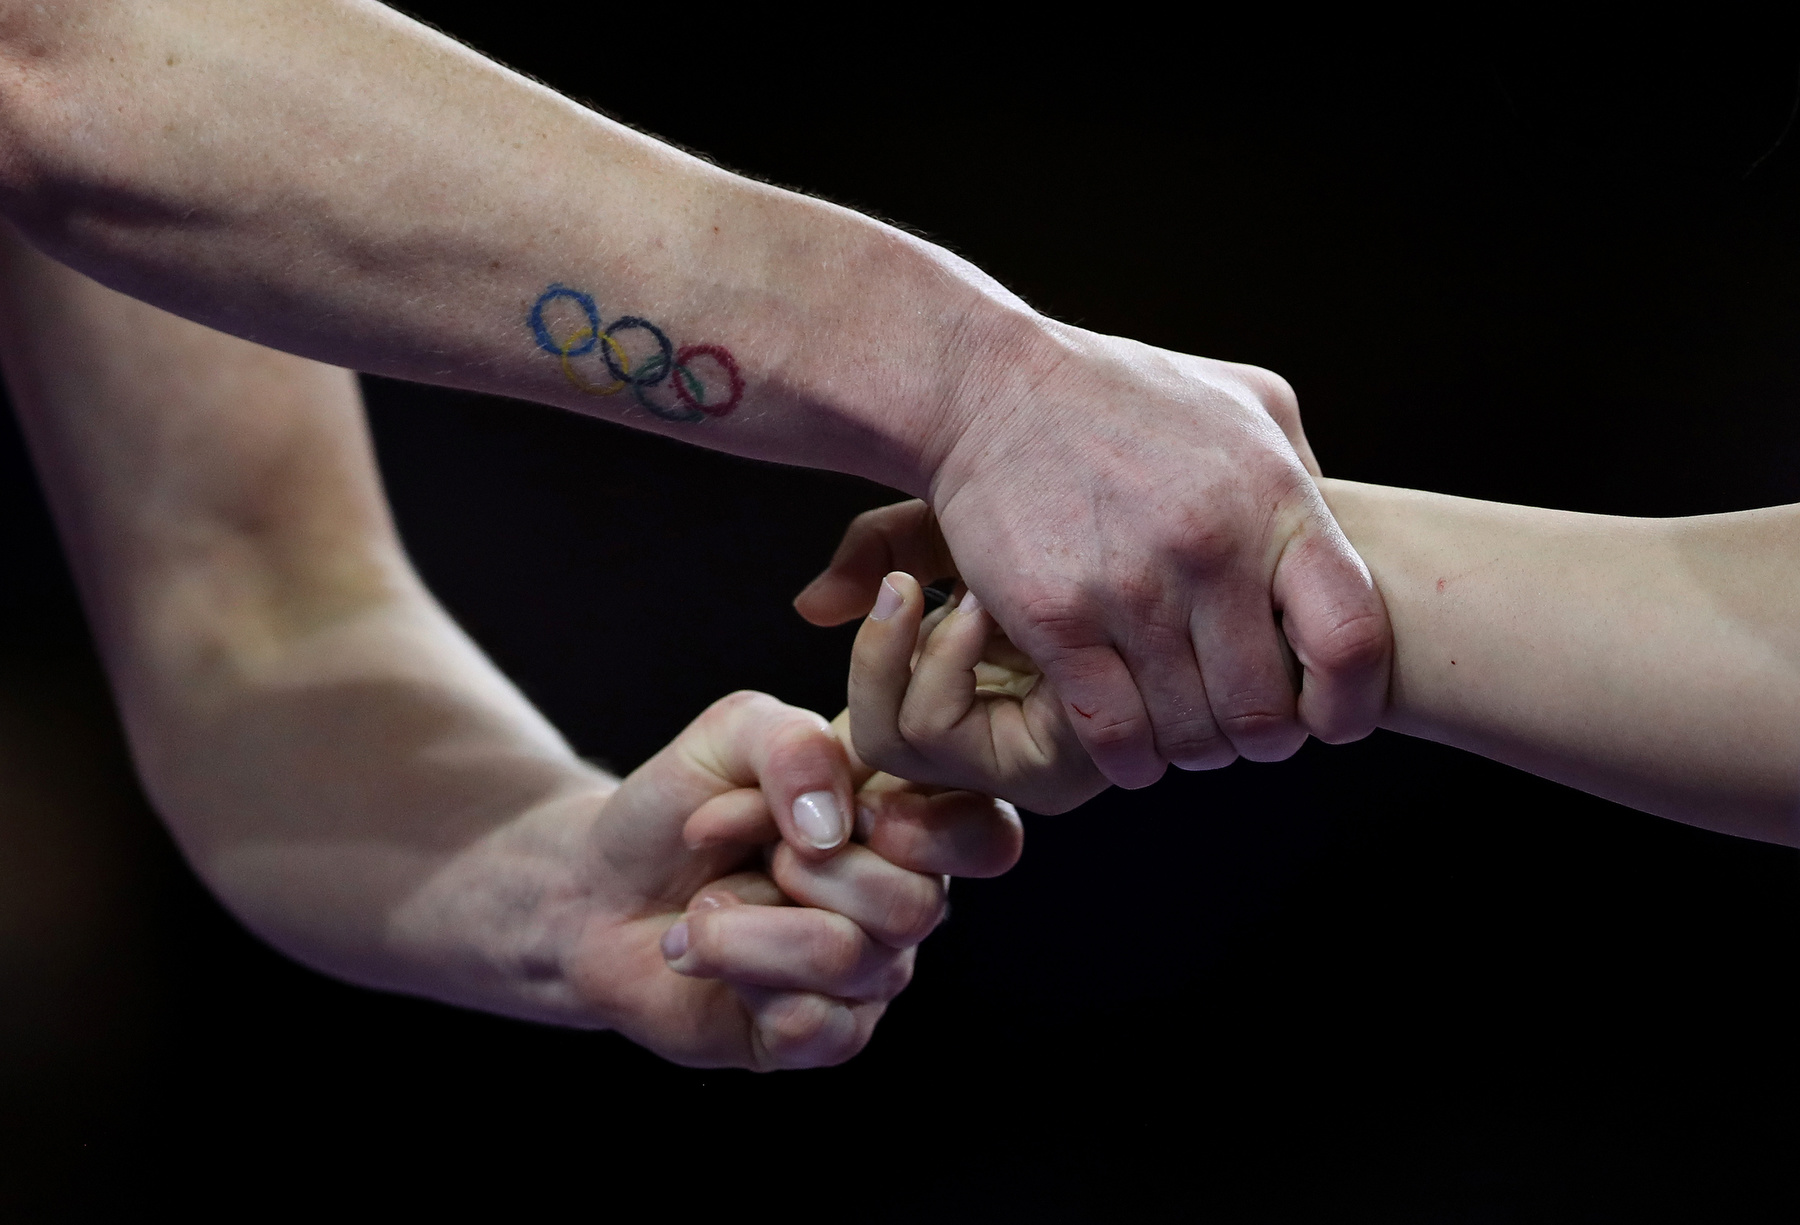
point(751, 740)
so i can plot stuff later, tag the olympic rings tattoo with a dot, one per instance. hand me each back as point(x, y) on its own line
point(697, 391)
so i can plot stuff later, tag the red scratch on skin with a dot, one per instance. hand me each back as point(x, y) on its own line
point(1449, 578)
point(1086, 714)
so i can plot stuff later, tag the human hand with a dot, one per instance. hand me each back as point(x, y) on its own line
point(1144, 525)
point(946, 699)
point(707, 941)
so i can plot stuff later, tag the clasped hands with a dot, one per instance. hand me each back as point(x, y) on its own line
point(1146, 526)
point(787, 950)
point(1285, 636)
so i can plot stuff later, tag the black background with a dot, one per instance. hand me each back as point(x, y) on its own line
point(1384, 982)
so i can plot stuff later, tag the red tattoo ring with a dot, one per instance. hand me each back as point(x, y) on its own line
point(690, 390)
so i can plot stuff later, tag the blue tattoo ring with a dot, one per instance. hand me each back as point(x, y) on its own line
point(549, 343)
point(652, 370)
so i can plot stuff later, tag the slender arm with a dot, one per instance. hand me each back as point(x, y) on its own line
point(320, 737)
point(1655, 662)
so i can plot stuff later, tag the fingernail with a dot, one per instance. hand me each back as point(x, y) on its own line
point(819, 819)
point(675, 941)
point(865, 821)
point(887, 602)
point(970, 604)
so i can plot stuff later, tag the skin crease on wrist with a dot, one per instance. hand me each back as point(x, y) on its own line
point(284, 171)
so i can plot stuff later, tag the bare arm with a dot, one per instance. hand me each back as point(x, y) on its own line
point(332, 178)
point(327, 177)
point(1652, 661)
point(358, 783)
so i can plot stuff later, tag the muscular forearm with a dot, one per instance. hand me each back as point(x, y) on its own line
point(1654, 662)
point(321, 739)
point(329, 178)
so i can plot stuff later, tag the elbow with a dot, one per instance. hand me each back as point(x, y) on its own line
point(61, 125)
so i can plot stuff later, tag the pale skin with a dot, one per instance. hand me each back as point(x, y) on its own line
point(1655, 662)
point(330, 178)
point(355, 780)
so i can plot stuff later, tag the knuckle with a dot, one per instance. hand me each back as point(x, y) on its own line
point(796, 1030)
point(741, 702)
point(1193, 740)
point(1279, 398)
point(1204, 542)
point(1106, 733)
point(890, 978)
point(1253, 709)
point(1251, 725)
point(836, 948)
point(1142, 593)
point(1352, 644)
point(797, 740)
point(1162, 640)
point(912, 912)
point(921, 729)
point(1063, 620)
point(870, 527)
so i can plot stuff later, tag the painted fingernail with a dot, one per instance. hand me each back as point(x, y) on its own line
point(819, 819)
point(675, 941)
point(887, 602)
point(970, 604)
point(865, 821)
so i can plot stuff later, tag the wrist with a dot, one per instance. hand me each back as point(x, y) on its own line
point(895, 352)
point(1000, 355)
